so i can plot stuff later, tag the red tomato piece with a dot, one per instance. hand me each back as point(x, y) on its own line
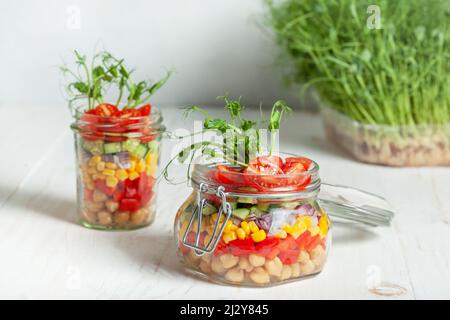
point(297, 177)
point(228, 176)
point(131, 205)
point(221, 248)
point(287, 244)
point(269, 161)
point(266, 246)
point(303, 239)
point(88, 194)
point(101, 186)
point(145, 110)
point(313, 242)
point(273, 254)
point(184, 250)
point(262, 172)
point(240, 247)
point(304, 161)
point(129, 113)
point(289, 256)
point(106, 110)
point(293, 168)
point(146, 138)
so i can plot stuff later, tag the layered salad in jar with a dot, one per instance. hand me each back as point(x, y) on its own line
point(252, 220)
point(117, 144)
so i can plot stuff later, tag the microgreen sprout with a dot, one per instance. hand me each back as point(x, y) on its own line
point(91, 81)
point(240, 137)
point(396, 75)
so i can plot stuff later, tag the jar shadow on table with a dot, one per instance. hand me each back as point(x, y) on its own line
point(44, 203)
point(153, 251)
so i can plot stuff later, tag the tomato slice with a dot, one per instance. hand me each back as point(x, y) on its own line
point(106, 110)
point(293, 167)
point(304, 161)
point(269, 161)
point(296, 178)
point(129, 113)
point(228, 176)
point(145, 110)
point(262, 172)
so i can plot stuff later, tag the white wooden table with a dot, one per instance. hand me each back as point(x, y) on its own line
point(45, 254)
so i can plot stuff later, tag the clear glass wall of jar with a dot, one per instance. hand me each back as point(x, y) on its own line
point(231, 232)
point(117, 160)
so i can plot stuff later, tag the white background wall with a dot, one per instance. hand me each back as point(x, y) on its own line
point(215, 46)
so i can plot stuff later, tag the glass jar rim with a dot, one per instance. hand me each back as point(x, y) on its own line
point(252, 184)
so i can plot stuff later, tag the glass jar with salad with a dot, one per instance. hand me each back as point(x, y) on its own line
point(117, 146)
point(261, 220)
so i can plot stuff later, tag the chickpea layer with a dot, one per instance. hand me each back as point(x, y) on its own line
point(257, 270)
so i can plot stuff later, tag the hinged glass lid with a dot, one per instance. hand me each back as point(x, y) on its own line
point(355, 205)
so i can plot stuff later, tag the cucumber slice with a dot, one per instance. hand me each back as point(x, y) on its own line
point(263, 206)
point(209, 209)
point(257, 212)
point(185, 215)
point(246, 200)
point(113, 147)
point(290, 205)
point(94, 147)
point(152, 146)
point(241, 213)
point(233, 205)
point(140, 151)
point(130, 145)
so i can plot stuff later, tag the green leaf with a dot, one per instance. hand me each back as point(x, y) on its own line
point(124, 72)
point(155, 87)
point(81, 87)
point(247, 124)
point(215, 124)
point(98, 72)
point(278, 109)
